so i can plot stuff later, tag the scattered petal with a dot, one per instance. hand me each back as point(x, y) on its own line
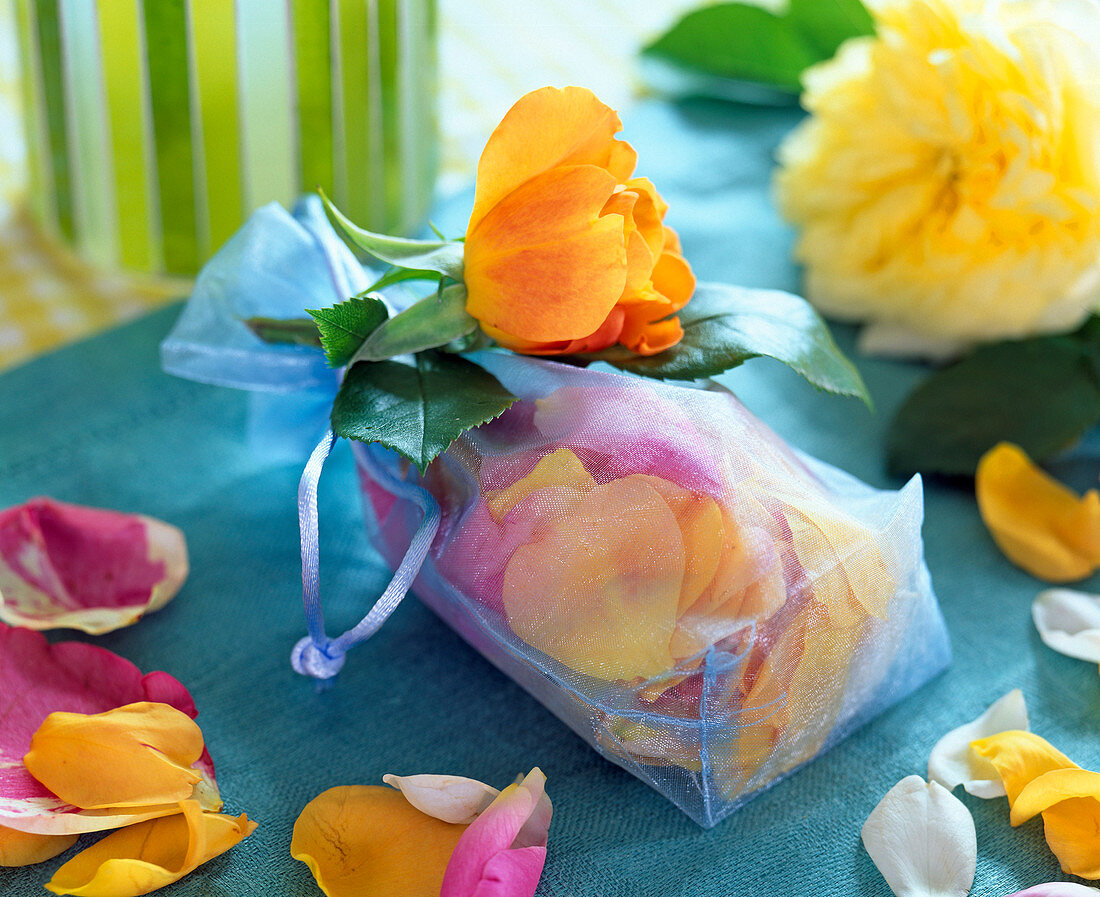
point(1040, 779)
point(37, 679)
point(141, 858)
point(451, 799)
point(516, 824)
point(369, 841)
point(1041, 526)
point(68, 566)
point(1069, 622)
point(131, 756)
point(953, 763)
point(1058, 889)
point(922, 839)
point(24, 849)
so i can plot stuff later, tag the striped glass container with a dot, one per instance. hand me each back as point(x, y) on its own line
point(155, 127)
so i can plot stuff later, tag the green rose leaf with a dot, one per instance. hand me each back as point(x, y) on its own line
point(1042, 394)
point(725, 326)
point(440, 256)
point(420, 408)
point(746, 43)
point(345, 326)
point(288, 331)
point(431, 322)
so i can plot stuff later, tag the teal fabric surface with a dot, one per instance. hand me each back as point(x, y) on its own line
point(98, 423)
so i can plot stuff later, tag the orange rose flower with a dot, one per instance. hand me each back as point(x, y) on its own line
point(566, 252)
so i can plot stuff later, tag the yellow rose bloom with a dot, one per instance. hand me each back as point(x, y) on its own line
point(947, 182)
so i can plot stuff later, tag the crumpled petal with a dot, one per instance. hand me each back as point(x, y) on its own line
point(1069, 622)
point(953, 763)
point(515, 824)
point(1040, 779)
point(131, 756)
point(141, 858)
point(369, 841)
point(68, 566)
point(1043, 527)
point(25, 849)
point(451, 799)
point(37, 679)
point(922, 839)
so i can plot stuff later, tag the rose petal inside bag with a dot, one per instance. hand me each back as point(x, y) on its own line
point(706, 607)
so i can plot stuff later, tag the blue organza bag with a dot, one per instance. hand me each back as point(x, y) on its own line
point(705, 606)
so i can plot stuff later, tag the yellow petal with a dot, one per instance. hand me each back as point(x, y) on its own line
point(1040, 525)
point(369, 841)
point(545, 129)
point(584, 594)
point(1019, 757)
point(1050, 788)
point(1071, 831)
point(132, 756)
point(559, 468)
point(141, 858)
point(24, 849)
point(545, 264)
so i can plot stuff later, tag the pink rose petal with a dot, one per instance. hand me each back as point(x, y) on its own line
point(37, 679)
point(68, 566)
point(502, 852)
point(1058, 889)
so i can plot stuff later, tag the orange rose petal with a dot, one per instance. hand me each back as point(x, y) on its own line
point(549, 128)
point(25, 849)
point(150, 855)
point(369, 841)
point(133, 756)
point(547, 243)
point(1038, 523)
point(674, 279)
point(559, 468)
point(649, 212)
point(584, 594)
point(639, 257)
point(607, 334)
point(644, 333)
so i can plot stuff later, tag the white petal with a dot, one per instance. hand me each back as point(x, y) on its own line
point(922, 840)
point(1069, 622)
point(953, 763)
point(450, 798)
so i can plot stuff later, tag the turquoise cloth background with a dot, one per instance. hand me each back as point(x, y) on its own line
point(98, 423)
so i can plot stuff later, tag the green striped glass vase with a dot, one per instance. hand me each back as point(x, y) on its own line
point(156, 126)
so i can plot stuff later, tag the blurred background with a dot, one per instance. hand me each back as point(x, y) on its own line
point(60, 280)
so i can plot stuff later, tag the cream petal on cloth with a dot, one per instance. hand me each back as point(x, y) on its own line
point(953, 763)
point(1069, 622)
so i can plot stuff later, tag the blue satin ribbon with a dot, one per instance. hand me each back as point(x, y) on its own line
point(317, 655)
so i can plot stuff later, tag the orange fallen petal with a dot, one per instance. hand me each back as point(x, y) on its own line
point(132, 756)
point(25, 849)
point(1040, 525)
point(549, 128)
point(150, 855)
point(369, 841)
point(544, 264)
